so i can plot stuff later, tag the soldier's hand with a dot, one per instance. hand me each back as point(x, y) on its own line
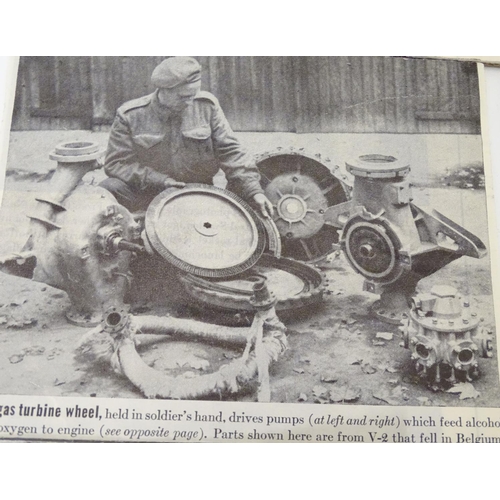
point(169, 182)
point(263, 204)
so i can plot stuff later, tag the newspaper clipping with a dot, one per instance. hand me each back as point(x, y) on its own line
point(247, 249)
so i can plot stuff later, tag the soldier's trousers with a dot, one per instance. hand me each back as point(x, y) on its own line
point(132, 199)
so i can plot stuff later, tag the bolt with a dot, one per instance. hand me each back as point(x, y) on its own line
point(289, 235)
point(473, 315)
point(451, 323)
point(295, 179)
point(321, 211)
point(466, 304)
point(434, 321)
point(466, 321)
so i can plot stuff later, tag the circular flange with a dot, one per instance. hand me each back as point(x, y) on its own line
point(77, 152)
point(378, 166)
point(370, 249)
point(294, 284)
point(300, 205)
point(205, 231)
point(301, 187)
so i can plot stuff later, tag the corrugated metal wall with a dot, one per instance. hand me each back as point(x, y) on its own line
point(268, 94)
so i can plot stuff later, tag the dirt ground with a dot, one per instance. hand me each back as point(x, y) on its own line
point(332, 348)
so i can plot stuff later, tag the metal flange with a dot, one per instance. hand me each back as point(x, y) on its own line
point(301, 187)
point(77, 152)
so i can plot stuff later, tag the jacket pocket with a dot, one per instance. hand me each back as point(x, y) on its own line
point(147, 141)
point(198, 142)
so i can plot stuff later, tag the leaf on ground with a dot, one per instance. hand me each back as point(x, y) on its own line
point(386, 367)
point(300, 371)
point(384, 395)
point(197, 363)
point(304, 360)
point(400, 392)
point(378, 343)
point(345, 394)
point(424, 401)
point(16, 358)
point(465, 389)
point(3, 320)
point(302, 397)
point(356, 361)
point(368, 369)
point(21, 323)
point(384, 335)
point(320, 394)
point(329, 377)
point(35, 350)
point(55, 352)
point(19, 302)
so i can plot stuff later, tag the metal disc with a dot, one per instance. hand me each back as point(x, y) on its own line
point(301, 188)
point(205, 230)
point(372, 249)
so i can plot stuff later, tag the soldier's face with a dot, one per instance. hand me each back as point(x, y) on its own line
point(178, 98)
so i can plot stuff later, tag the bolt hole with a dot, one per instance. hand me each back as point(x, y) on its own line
point(422, 351)
point(113, 319)
point(465, 356)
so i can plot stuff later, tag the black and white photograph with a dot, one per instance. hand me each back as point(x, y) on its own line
point(302, 230)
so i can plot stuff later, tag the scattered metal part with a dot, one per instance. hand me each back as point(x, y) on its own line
point(77, 236)
point(301, 187)
point(205, 231)
point(389, 240)
point(264, 342)
point(443, 332)
point(295, 285)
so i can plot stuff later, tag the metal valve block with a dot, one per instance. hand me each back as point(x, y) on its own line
point(389, 240)
point(443, 330)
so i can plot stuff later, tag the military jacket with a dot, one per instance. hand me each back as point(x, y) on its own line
point(147, 145)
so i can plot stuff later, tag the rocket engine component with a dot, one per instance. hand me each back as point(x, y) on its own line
point(389, 240)
point(294, 284)
point(205, 231)
point(443, 330)
point(301, 187)
point(77, 237)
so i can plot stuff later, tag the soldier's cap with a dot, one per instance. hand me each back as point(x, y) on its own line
point(176, 71)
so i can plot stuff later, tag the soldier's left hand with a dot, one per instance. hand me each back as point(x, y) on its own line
point(263, 204)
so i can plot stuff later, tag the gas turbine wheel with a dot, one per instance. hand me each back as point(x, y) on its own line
point(205, 230)
point(301, 188)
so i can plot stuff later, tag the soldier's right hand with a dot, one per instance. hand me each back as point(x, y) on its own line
point(169, 182)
